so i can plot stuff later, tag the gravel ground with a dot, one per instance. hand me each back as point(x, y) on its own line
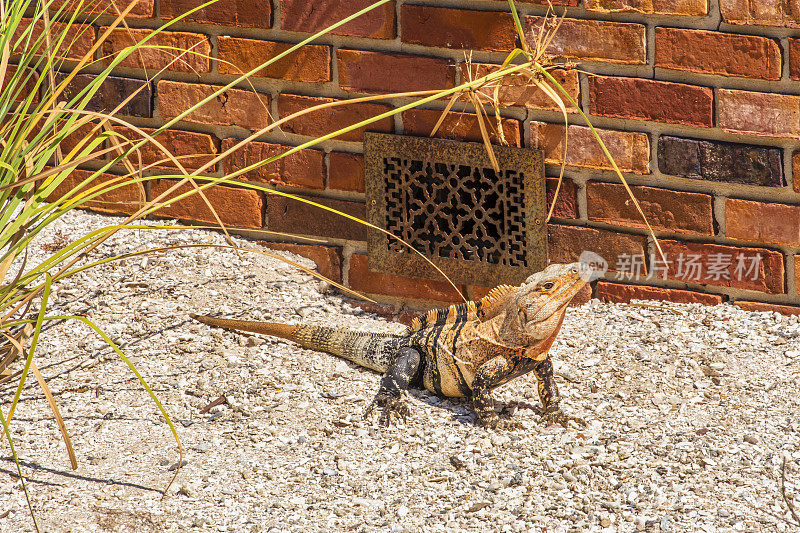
point(690, 412)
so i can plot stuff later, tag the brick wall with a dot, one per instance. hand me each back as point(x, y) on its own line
point(698, 101)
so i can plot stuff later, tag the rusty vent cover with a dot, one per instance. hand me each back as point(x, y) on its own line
point(445, 199)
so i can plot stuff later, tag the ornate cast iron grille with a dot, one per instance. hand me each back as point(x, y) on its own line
point(445, 199)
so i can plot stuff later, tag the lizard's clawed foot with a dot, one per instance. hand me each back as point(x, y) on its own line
point(390, 405)
point(557, 416)
point(495, 422)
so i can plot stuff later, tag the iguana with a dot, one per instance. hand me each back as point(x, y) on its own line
point(463, 350)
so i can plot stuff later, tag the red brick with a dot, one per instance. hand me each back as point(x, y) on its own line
point(767, 114)
point(567, 243)
point(620, 293)
point(695, 8)
point(457, 28)
point(518, 90)
point(796, 171)
point(659, 101)
point(126, 199)
point(762, 307)
point(327, 120)
point(239, 13)
point(311, 63)
point(567, 205)
point(762, 222)
point(630, 150)
point(242, 208)
point(712, 52)
point(761, 13)
point(304, 169)
point(201, 147)
point(234, 107)
point(794, 59)
point(111, 92)
point(361, 279)
point(676, 211)
point(797, 273)
point(197, 48)
point(327, 258)
point(346, 172)
point(287, 215)
point(143, 9)
point(385, 72)
point(592, 40)
point(78, 39)
point(29, 83)
point(769, 275)
point(387, 311)
point(379, 23)
point(458, 126)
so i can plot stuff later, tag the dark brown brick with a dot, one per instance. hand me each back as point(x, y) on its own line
point(385, 72)
point(238, 13)
point(676, 211)
point(242, 208)
point(311, 63)
point(721, 161)
point(304, 169)
point(112, 91)
point(659, 101)
point(378, 23)
point(327, 120)
point(287, 215)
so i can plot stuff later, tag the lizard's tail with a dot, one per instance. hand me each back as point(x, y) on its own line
point(370, 350)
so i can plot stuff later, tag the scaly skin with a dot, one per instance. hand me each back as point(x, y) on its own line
point(461, 351)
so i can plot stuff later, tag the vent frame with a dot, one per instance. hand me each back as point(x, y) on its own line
point(395, 258)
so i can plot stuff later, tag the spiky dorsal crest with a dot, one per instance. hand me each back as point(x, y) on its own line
point(486, 307)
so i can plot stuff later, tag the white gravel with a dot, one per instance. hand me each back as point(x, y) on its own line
point(690, 413)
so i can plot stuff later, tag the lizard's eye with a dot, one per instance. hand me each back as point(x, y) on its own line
point(547, 286)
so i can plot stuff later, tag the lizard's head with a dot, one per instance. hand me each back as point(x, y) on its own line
point(535, 311)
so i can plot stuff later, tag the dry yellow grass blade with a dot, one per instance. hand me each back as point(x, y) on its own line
point(57, 414)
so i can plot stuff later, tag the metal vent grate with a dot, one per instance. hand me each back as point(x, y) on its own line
point(445, 199)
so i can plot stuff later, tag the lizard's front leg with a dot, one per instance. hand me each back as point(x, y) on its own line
point(489, 375)
point(548, 394)
point(393, 384)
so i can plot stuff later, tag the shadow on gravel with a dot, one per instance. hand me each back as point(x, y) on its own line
point(39, 468)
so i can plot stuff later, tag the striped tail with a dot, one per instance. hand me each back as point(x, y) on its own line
point(369, 350)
